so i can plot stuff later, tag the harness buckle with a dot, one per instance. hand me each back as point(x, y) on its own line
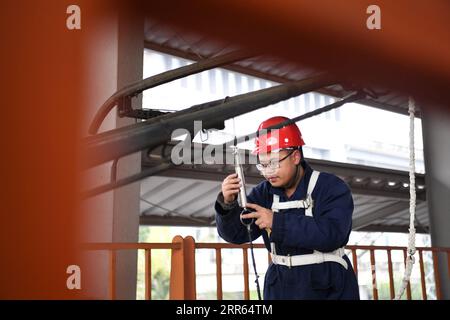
point(286, 260)
point(308, 202)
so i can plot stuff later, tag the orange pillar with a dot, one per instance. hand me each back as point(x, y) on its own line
point(190, 290)
point(182, 271)
point(177, 271)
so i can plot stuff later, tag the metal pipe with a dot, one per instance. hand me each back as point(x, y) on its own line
point(165, 77)
point(119, 142)
point(240, 173)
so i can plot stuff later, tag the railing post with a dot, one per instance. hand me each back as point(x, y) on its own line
point(112, 274)
point(148, 274)
point(437, 279)
point(246, 284)
point(408, 286)
point(391, 275)
point(374, 274)
point(355, 262)
point(422, 276)
point(190, 290)
point(177, 271)
point(448, 261)
point(182, 270)
point(219, 273)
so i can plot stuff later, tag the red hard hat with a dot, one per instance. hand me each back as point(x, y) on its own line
point(285, 137)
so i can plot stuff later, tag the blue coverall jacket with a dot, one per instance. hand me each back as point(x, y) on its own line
point(294, 233)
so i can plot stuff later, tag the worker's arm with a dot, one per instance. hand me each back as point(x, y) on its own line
point(228, 220)
point(330, 226)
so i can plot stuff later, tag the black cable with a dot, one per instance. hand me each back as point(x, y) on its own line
point(350, 98)
point(249, 231)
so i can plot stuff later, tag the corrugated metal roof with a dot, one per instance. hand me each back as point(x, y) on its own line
point(191, 202)
point(194, 47)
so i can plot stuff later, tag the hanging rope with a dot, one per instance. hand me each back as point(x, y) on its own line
point(412, 203)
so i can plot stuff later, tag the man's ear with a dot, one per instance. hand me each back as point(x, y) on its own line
point(297, 157)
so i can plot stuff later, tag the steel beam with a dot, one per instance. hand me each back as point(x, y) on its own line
point(116, 143)
point(159, 79)
point(375, 181)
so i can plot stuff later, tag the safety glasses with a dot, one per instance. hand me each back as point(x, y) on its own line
point(273, 164)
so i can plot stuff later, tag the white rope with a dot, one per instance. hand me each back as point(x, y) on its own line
point(412, 203)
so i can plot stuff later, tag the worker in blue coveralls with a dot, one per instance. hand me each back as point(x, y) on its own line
point(304, 217)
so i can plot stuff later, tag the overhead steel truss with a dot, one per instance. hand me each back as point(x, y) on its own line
point(153, 136)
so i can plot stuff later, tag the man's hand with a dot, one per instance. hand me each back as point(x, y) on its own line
point(230, 188)
point(263, 217)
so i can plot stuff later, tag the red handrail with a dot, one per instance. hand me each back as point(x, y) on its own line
point(183, 265)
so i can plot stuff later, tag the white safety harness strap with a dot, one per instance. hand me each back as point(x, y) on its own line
point(312, 258)
point(277, 205)
point(306, 204)
point(304, 259)
point(311, 186)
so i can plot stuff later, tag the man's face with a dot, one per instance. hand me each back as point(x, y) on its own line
point(282, 171)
